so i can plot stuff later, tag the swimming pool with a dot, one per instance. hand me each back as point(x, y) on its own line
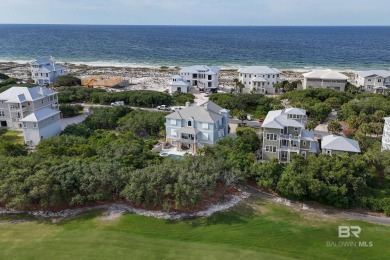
point(175, 156)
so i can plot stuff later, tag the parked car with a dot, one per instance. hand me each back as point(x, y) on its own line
point(174, 109)
point(260, 120)
point(118, 103)
point(163, 107)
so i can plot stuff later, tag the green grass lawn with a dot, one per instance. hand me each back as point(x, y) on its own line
point(254, 230)
point(12, 136)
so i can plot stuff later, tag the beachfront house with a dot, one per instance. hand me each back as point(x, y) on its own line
point(17, 103)
point(41, 124)
point(284, 135)
point(374, 81)
point(260, 78)
point(386, 135)
point(45, 71)
point(196, 126)
point(335, 144)
point(203, 77)
point(178, 84)
point(325, 79)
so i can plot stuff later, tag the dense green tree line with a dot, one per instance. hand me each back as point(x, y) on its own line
point(256, 104)
point(70, 110)
point(317, 102)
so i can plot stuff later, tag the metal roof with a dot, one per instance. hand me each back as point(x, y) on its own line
point(278, 119)
point(188, 130)
point(209, 112)
point(200, 68)
point(259, 70)
point(21, 94)
point(340, 143)
point(40, 115)
point(325, 74)
point(369, 73)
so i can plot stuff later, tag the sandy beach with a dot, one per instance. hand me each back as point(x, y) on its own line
point(140, 77)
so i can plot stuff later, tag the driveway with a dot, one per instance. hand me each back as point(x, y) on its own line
point(73, 120)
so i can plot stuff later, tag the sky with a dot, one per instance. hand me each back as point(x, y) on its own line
point(196, 12)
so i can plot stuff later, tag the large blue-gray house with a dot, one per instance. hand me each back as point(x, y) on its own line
point(196, 126)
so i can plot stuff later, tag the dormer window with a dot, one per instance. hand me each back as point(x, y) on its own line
point(189, 123)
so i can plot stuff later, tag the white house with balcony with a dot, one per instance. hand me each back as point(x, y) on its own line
point(178, 84)
point(202, 76)
point(45, 71)
point(325, 79)
point(196, 126)
point(41, 124)
point(17, 103)
point(284, 135)
point(386, 135)
point(260, 78)
point(374, 81)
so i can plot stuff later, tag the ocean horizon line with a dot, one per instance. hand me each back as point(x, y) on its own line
point(192, 25)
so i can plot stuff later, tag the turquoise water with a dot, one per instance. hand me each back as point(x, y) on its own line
point(174, 156)
point(281, 47)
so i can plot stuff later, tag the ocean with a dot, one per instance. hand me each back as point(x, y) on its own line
point(225, 46)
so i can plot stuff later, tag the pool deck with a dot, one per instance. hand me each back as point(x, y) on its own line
point(174, 151)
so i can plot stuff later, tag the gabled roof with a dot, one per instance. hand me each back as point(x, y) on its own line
point(259, 79)
point(295, 111)
point(370, 73)
point(40, 115)
point(50, 68)
point(20, 94)
point(259, 70)
point(207, 112)
point(197, 68)
point(325, 74)
point(340, 143)
point(188, 130)
point(278, 119)
point(307, 135)
point(179, 83)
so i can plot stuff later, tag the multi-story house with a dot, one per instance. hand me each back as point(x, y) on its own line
point(374, 81)
point(196, 126)
point(41, 124)
point(284, 135)
point(204, 77)
point(45, 71)
point(335, 144)
point(260, 78)
point(386, 135)
point(178, 84)
point(17, 103)
point(325, 79)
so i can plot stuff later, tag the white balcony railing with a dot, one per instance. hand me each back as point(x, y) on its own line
point(289, 148)
point(290, 137)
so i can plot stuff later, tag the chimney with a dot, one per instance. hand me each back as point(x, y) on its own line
point(41, 90)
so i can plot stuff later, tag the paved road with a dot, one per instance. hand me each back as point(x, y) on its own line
point(252, 123)
point(382, 220)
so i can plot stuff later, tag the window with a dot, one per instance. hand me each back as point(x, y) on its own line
point(189, 123)
point(270, 148)
point(205, 126)
point(173, 132)
point(304, 143)
point(2, 113)
point(369, 79)
point(273, 76)
point(205, 136)
point(295, 129)
point(24, 125)
point(268, 76)
point(173, 121)
point(272, 137)
point(35, 125)
point(379, 80)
